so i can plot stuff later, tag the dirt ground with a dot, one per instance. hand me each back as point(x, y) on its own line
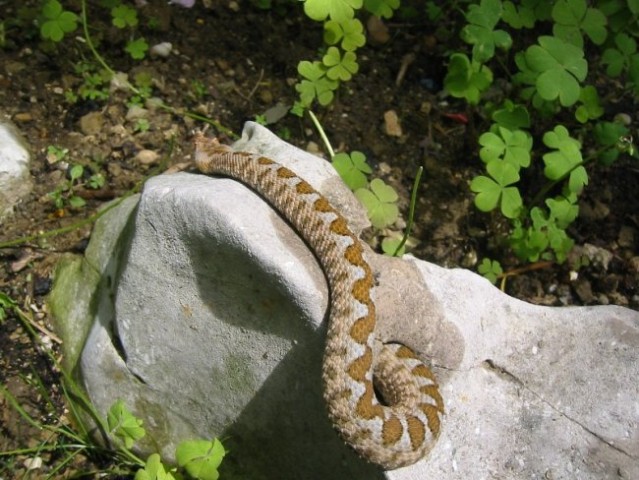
point(231, 63)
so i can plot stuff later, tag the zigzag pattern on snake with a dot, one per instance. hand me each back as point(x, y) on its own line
point(404, 428)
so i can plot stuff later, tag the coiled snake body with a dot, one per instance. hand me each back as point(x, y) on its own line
point(404, 428)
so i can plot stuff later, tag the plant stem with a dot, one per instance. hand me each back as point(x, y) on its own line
point(411, 210)
point(317, 124)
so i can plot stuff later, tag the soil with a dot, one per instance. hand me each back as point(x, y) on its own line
point(230, 63)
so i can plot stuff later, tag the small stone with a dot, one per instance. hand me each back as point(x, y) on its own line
point(136, 112)
point(626, 236)
point(33, 463)
point(313, 148)
point(115, 170)
point(146, 157)
point(162, 49)
point(391, 124)
point(377, 30)
point(23, 117)
point(583, 289)
point(634, 264)
point(91, 123)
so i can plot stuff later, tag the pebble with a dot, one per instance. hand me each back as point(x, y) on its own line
point(91, 123)
point(23, 117)
point(392, 126)
point(626, 236)
point(162, 49)
point(146, 157)
point(377, 30)
point(136, 112)
point(583, 289)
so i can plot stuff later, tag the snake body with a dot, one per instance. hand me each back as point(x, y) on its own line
point(404, 428)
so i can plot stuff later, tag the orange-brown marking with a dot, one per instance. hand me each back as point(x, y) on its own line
point(361, 365)
point(284, 172)
point(433, 392)
point(423, 371)
point(432, 415)
point(340, 227)
point(365, 407)
point(264, 161)
point(392, 431)
point(304, 188)
point(416, 431)
point(322, 205)
point(362, 328)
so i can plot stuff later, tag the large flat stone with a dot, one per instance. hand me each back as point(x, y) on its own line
point(206, 316)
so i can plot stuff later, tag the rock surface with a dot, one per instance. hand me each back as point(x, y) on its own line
point(204, 313)
point(15, 180)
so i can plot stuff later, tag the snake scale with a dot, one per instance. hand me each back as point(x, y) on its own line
point(400, 430)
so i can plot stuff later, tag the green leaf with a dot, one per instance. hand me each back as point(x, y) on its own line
point(560, 67)
point(618, 59)
point(339, 10)
point(153, 470)
point(480, 31)
point(137, 48)
point(315, 85)
point(520, 16)
point(340, 67)
point(123, 16)
point(352, 168)
point(572, 17)
point(511, 146)
point(6, 303)
point(590, 108)
point(567, 155)
point(200, 458)
point(490, 269)
point(124, 425)
point(381, 8)
point(496, 190)
point(512, 116)
point(390, 244)
point(350, 32)
point(380, 201)
point(57, 21)
point(76, 172)
point(465, 79)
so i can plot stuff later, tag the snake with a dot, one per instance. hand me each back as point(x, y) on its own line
point(385, 403)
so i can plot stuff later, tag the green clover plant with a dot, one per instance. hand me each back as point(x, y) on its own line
point(552, 77)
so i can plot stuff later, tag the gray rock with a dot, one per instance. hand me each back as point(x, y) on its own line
point(15, 179)
point(204, 313)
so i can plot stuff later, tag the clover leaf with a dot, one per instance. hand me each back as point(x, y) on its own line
point(315, 84)
point(560, 67)
point(137, 48)
point(338, 10)
point(340, 67)
point(123, 16)
point(565, 160)
point(621, 57)
point(123, 424)
point(382, 8)
point(201, 458)
point(352, 168)
point(480, 31)
point(466, 79)
point(590, 107)
point(57, 21)
point(496, 190)
point(573, 17)
point(511, 146)
point(380, 201)
point(512, 116)
point(350, 32)
point(153, 470)
point(518, 16)
point(490, 269)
